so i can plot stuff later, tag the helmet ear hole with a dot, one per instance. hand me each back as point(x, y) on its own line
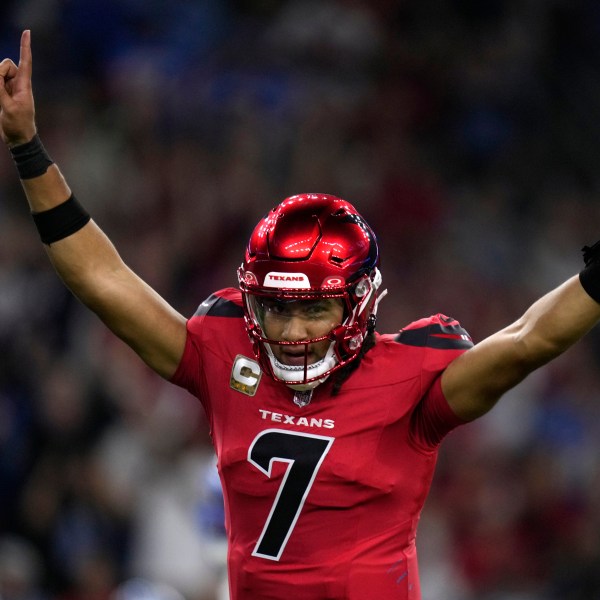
point(362, 288)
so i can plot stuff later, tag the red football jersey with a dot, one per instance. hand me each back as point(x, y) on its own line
point(322, 500)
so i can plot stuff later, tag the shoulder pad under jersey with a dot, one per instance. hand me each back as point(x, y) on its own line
point(224, 303)
point(438, 331)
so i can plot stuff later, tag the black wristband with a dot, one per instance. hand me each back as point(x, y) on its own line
point(31, 158)
point(590, 275)
point(61, 221)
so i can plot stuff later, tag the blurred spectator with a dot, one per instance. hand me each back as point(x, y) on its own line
point(21, 570)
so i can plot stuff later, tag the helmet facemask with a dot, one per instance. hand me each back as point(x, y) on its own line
point(345, 338)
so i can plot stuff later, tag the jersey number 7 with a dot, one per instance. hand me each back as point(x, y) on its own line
point(304, 454)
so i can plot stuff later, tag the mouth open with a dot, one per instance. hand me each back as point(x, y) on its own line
point(295, 356)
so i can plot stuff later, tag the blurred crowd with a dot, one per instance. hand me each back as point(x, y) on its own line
point(468, 134)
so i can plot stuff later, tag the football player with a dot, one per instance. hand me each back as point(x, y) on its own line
point(326, 432)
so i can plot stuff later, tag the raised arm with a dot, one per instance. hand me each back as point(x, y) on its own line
point(82, 255)
point(475, 381)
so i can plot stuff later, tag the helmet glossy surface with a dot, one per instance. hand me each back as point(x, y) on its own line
point(311, 246)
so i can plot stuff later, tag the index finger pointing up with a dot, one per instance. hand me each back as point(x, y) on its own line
point(25, 55)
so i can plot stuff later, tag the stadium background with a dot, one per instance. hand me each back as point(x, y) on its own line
point(467, 132)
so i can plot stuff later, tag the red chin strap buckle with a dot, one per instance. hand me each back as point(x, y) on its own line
point(348, 339)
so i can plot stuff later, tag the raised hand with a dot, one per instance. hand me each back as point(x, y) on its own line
point(17, 110)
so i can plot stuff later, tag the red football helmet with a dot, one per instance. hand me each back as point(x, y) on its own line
point(309, 247)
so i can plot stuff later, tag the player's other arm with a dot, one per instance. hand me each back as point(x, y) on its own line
point(475, 381)
point(92, 269)
point(86, 260)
